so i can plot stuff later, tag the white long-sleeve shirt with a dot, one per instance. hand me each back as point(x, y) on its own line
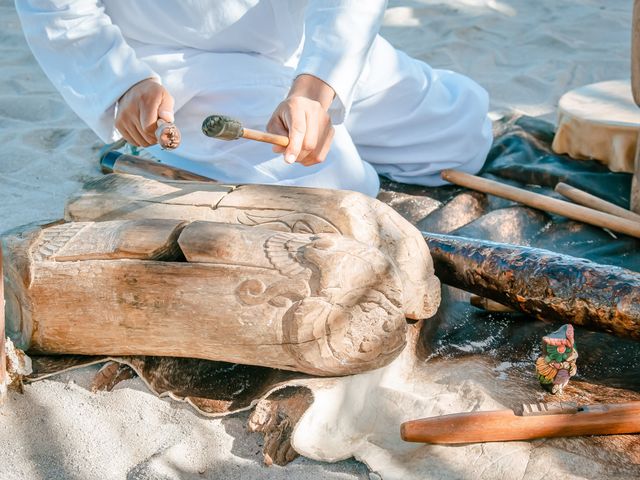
point(89, 48)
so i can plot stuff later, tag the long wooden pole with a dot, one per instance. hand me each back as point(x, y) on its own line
point(542, 202)
point(591, 201)
point(505, 425)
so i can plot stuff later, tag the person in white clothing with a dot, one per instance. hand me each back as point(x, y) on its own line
point(317, 71)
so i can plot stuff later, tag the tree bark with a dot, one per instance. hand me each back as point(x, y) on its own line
point(544, 284)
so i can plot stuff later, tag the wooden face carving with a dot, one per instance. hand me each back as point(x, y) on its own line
point(318, 303)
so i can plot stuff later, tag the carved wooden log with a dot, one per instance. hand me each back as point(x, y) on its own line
point(541, 283)
point(321, 304)
point(290, 209)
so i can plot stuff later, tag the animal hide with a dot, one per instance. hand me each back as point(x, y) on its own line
point(463, 359)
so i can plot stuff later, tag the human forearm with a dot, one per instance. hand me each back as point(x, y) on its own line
point(303, 117)
point(311, 87)
point(338, 37)
point(84, 55)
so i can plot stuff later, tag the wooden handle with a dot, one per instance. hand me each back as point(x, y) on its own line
point(265, 137)
point(588, 200)
point(505, 425)
point(542, 202)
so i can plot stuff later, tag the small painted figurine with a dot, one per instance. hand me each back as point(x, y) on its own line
point(558, 362)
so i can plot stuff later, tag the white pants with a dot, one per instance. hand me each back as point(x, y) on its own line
point(407, 122)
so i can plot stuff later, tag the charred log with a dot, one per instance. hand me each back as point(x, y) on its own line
point(541, 283)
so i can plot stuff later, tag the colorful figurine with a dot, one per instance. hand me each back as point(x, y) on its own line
point(558, 362)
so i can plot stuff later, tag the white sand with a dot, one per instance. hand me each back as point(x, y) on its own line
point(526, 53)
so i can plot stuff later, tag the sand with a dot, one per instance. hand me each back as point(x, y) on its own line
point(527, 54)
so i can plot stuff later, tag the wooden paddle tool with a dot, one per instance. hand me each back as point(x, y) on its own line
point(532, 421)
point(226, 128)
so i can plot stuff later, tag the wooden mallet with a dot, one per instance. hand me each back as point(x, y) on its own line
point(226, 128)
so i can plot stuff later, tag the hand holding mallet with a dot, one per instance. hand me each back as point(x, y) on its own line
point(226, 128)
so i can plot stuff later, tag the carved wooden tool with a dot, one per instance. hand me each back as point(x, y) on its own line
point(534, 421)
point(168, 135)
point(226, 128)
point(541, 283)
point(544, 203)
point(281, 208)
point(588, 200)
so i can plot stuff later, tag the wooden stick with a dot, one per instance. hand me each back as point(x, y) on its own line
point(505, 425)
point(544, 203)
point(489, 305)
point(591, 201)
point(265, 137)
point(543, 284)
